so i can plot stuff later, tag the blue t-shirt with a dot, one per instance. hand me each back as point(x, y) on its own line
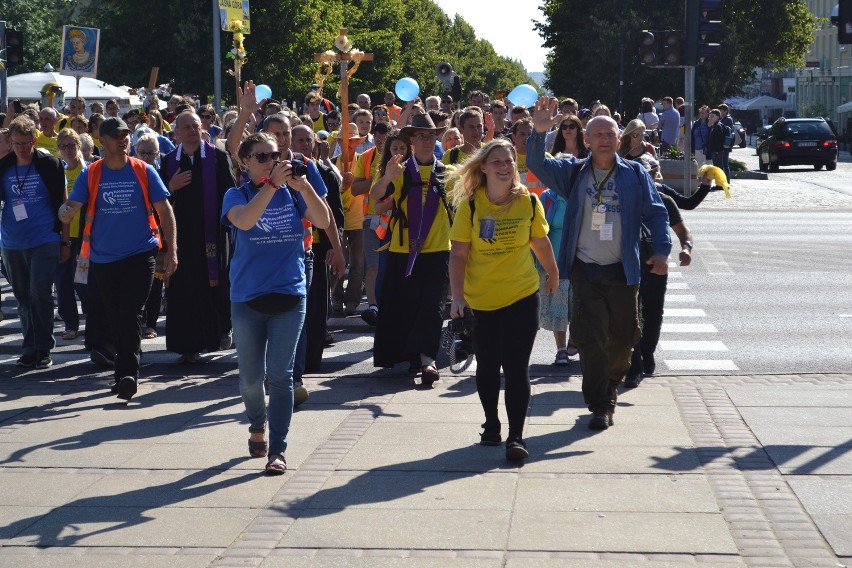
point(22, 186)
point(269, 257)
point(121, 225)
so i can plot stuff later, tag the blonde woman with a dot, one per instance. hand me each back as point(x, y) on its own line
point(632, 144)
point(492, 273)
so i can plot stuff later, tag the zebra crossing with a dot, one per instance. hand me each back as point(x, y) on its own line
point(687, 342)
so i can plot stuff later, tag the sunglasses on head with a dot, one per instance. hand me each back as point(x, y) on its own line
point(569, 126)
point(263, 157)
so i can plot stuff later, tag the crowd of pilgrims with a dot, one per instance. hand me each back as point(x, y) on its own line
point(417, 174)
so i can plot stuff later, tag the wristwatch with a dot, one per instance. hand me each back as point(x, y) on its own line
point(688, 245)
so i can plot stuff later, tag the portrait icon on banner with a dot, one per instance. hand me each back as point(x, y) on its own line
point(80, 51)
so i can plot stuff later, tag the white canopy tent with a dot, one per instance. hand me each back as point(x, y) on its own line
point(763, 102)
point(845, 107)
point(27, 87)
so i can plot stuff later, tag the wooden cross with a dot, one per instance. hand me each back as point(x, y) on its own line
point(346, 55)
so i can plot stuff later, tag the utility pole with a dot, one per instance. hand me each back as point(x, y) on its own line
point(217, 58)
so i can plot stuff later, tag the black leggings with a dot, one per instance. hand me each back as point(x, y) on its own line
point(505, 337)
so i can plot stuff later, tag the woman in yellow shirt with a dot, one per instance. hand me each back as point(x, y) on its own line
point(493, 274)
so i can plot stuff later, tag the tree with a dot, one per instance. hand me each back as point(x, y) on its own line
point(39, 21)
point(757, 33)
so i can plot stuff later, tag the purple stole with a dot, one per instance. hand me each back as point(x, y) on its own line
point(211, 204)
point(420, 215)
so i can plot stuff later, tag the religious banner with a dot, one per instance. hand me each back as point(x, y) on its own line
point(231, 10)
point(80, 51)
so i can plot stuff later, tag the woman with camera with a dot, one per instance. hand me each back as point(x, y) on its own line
point(493, 275)
point(268, 286)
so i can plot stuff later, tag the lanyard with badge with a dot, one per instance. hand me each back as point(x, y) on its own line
point(599, 208)
point(18, 207)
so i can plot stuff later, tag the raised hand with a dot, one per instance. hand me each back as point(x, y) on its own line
point(248, 100)
point(544, 115)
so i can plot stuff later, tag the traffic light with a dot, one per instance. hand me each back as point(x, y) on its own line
point(844, 21)
point(703, 28)
point(647, 49)
point(14, 48)
point(672, 48)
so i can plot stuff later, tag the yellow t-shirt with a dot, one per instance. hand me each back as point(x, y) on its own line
point(438, 239)
point(70, 178)
point(353, 205)
point(358, 172)
point(500, 270)
point(461, 157)
point(319, 123)
point(51, 144)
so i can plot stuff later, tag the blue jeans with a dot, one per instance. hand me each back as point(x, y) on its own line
point(30, 273)
point(266, 345)
point(302, 346)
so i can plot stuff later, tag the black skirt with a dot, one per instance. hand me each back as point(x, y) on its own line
point(411, 313)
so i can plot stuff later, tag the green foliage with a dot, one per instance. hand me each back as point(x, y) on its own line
point(584, 61)
point(407, 38)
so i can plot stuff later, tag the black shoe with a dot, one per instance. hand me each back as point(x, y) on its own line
point(113, 387)
point(370, 316)
point(102, 358)
point(43, 360)
point(329, 340)
point(516, 450)
point(27, 360)
point(191, 358)
point(490, 435)
point(600, 419)
point(632, 381)
point(126, 387)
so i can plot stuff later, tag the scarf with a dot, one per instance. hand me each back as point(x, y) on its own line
point(211, 205)
point(420, 215)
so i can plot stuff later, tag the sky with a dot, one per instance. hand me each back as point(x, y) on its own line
point(495, 21)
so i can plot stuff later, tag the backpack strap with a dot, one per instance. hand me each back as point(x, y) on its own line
point(454, 155)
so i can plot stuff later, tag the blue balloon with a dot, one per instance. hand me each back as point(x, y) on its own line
point(407, 89)
point(262, 92)
point(525, 95)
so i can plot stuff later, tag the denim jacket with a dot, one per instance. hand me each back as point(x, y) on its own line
point(640, 204)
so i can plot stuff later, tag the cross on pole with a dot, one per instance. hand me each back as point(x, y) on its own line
point(347, 54)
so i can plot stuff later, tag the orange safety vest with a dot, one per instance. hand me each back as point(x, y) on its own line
point(94, 180)
point(384, 220)
point(534, 184)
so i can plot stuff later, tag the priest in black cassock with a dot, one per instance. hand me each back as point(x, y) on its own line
point(198, 308)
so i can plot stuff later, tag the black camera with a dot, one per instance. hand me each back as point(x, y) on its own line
point(465, 324)
point(298, 168)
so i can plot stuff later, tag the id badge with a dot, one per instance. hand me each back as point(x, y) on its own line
point(81, 274)
point(606, 232)
point(20, 210)
point(487, 228)
point(598, 219)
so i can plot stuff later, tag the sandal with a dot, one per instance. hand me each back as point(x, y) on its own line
point(276, 465)
point(571, 348)
point(257, 449)
point(429, 374)
point(69, 334)
point(150, 333)
point(562, 358)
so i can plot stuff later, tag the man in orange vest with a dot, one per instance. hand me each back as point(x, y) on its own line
point(120, 241)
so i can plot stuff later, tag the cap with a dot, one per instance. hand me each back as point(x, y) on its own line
point(584, 112)
point(113, 126)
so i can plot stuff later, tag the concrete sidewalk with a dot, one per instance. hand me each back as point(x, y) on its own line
point(697, 471)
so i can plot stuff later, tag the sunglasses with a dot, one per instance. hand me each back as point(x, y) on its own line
point(569, 126)
point(204, 116)
point(637, 135)
point(263, 157)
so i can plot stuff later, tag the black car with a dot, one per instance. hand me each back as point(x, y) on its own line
point(792, 141)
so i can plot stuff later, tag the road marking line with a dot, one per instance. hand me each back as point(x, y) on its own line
point(675, 275)
point(680, 298)
point(700, 365)
point(689, 328)
point(685, 313)
point(677, 286)
point(713, 259)
point(692, 346)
